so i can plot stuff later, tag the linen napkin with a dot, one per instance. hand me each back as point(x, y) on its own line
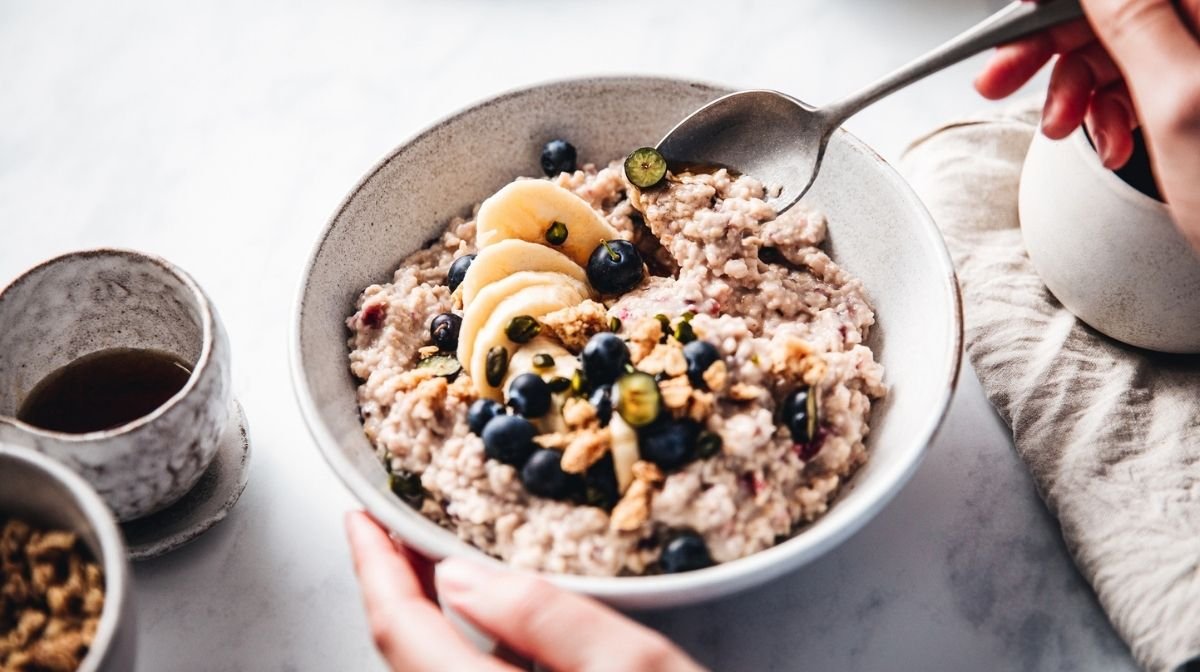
point(1110, 433)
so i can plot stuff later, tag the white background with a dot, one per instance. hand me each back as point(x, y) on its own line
point(222, 134)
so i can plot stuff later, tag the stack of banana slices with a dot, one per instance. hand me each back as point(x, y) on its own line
point(518, 273)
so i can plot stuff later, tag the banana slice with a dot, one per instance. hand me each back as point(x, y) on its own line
point(526, 208)
point(507, 257)
point(489, 297)
point(624, 450)
point(535, 300)
point(564, 366)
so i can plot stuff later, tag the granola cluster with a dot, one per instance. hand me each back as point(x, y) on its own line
point(50, 599)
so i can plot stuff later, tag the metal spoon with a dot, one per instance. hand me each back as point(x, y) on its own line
point(781, 140)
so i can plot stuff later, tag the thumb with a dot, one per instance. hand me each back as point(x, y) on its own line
point(550, 626)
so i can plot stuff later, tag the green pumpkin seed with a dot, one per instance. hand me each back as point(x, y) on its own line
point(522, 329)
point(614, 324)
point(543, 361)
point(497, 365)
point(407, 486)
point(446, 366)
point(578, 383)
point(556, 234)
point(665, 322)
point(558, 384)
point(684, 332)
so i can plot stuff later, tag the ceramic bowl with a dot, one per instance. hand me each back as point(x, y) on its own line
point(878, 229)
point(93, 300)
point(1110, 254)
point(42, 492)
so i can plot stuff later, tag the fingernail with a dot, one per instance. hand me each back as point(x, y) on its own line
point(454, 575)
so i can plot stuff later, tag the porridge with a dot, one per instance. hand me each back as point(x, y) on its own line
point(619, 370)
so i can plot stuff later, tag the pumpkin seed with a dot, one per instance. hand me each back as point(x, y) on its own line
point(497, 365)
point(522, 329)
point(556, 234)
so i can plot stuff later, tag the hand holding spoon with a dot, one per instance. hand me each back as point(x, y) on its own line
point(781, 140)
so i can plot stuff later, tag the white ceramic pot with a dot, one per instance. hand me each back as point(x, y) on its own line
point(1109, 253)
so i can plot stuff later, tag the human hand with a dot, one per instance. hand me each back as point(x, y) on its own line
point(1133, 62)
point(529, 617)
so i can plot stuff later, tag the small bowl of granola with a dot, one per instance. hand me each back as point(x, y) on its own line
point(529, 337)
point(64, 577)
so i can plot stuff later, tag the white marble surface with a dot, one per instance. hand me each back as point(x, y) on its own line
point(222, 134)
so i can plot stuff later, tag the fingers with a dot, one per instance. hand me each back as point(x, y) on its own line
point(1015, 64)
point(1110, 121)
point(1075, 76)
point(1148, 38)
point(550, 626)
point(1011, 66)
point(422, 569)
point(408, 629)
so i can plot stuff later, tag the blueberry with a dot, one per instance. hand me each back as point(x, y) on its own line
point(669, 443)
point(558, 156)
point(529, 395)
point(615, 267)
point(600, 484)
point(443, 331)
point(509, 439)
point(458, 271)
point(604, 358)
point(685, 552)
point(699, 355)
point(602, 400)
point(543, 476)
point(799, 414)
point(481, 413)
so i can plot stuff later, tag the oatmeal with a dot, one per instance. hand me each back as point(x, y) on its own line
point(592, 377)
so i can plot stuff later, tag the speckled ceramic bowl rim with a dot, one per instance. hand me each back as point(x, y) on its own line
point(112, 547)
point(842, 520)
point(202, 362)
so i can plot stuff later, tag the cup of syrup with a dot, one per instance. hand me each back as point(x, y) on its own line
point(116, 364)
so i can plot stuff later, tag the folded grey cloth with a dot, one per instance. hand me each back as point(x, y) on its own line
point(1110, 433)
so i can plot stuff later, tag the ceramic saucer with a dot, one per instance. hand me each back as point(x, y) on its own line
point(205, 505)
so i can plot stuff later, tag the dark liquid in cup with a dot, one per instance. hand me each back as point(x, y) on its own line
point(103, 390)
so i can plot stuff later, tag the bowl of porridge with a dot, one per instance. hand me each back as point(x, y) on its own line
point(527, 337)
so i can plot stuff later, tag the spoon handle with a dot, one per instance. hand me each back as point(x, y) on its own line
point(1017, 20)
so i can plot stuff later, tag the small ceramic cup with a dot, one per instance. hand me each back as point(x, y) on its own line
point(85, 302)
point(1109, 253)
